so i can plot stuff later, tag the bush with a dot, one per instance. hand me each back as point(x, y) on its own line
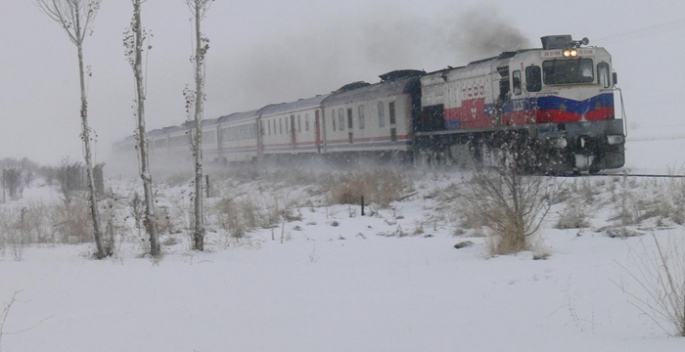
point(574, 216)
point(511, 205)
point(660, 272)
point(377, 186)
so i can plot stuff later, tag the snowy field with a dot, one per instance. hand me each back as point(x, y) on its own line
point(328, 279)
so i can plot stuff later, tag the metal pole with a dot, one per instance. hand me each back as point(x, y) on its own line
point(207, 182)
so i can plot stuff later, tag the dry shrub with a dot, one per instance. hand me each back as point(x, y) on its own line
point(660, 273)
point(574, 216)
point(238, 217)
point(512, 206)
point(179, 178)
point(377, 186)
point(72, 222)
point(164, 223)
point(637, 201)
point(505, 236)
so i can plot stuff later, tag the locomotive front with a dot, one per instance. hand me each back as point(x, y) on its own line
point(569, 91)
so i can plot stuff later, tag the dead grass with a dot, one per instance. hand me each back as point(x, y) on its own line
point(380, 187)
point(512, 206)
point(660, 273)
point(574, 216)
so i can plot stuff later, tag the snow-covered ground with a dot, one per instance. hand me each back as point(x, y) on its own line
point(332, 280)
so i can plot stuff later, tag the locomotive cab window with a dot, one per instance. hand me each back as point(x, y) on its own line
point(603, 74)
point(533, 79)
point(568, 71)
point(350, 123)
point(516, 82)
point(333, 118)
point(341, 119)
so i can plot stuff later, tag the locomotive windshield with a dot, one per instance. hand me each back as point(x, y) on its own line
point(568, 71)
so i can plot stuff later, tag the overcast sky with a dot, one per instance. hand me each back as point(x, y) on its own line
point(271, 51)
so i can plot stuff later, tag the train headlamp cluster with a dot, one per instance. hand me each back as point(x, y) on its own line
point(559, 143)
point(616, 139)
point(570, 53)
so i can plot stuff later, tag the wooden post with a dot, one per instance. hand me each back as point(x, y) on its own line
point(207, 182)
point(362, 205)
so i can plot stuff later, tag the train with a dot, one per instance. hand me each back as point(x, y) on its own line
point(553, 104)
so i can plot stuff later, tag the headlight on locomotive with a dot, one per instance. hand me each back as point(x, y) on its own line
point(616, 139)
point(570, 53)
point(558, 143)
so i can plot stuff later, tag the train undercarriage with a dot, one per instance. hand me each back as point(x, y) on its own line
point(588, 146)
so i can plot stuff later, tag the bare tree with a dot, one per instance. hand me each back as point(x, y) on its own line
point(509, 202)
point(199, 9)
point(134, 38)
point(76, 18)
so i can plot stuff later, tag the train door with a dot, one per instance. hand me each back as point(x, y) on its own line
point(504, 95)
point(293, 131)
point(533, 75)
point(317, 125)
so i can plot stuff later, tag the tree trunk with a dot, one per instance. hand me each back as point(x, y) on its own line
point(199, 99)
point(85, 136)
point(145, 175)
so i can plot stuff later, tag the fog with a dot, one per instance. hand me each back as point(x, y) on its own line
point(273, 51)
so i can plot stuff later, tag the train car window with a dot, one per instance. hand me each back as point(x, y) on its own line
point(299, 123)
point(341, 119)
point(516, 82)
point(568, 71)
point(280, 126)
point(603, 74)
point(391, 108)
point(362, 123)
point(333, 118)
point(306, 122)
point(350, 124)
point(269, 127)
point(381, 114)
point(533, 79)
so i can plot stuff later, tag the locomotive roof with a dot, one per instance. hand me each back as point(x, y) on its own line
point(153, 133)
point(503, 57)
point(170, 129)
point(301, 104)
point(210, 122)
point(374, 91)
point(238, 116)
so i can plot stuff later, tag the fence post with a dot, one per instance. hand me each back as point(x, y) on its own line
point(362, 205)
point(207, 183)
